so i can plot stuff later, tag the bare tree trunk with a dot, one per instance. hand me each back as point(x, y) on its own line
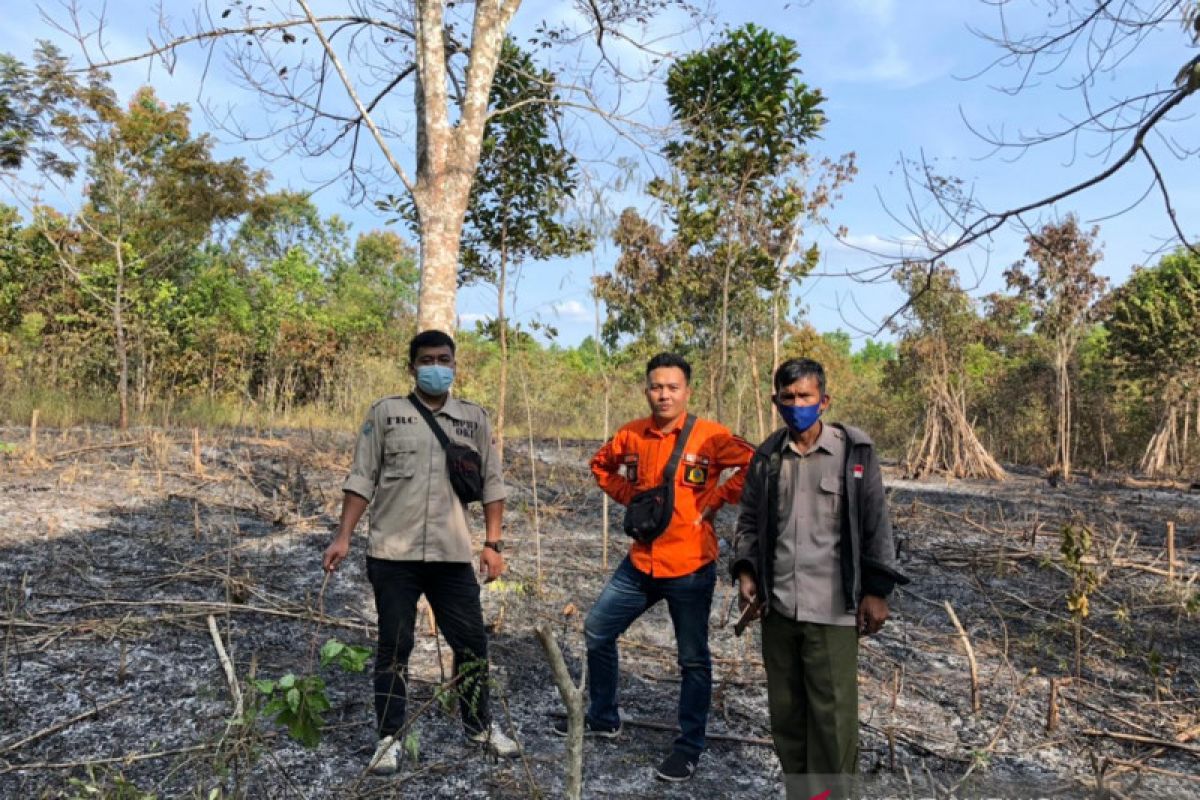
point(122, 348)
point(502, 322)
point(712, 391)
point(572, 697)
point(1062, 362)
point(777, 298)
point(439, 262)
point(448, 153)
point(605, 498)
point(1187, 426)
point(533, 482)
point(1157, 455)
point(948, 443)
point(724, 363)
point(739, 397)
point(756, 390)
point(144, 371)
point(607, 404)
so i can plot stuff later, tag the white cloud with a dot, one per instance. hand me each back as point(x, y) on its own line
point(891, 66)
point(469, 318)
point(572, 311)
point(889, 247)
point(879, 12)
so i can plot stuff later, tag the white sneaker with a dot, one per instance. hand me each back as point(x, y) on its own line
point(496, 741)
point(387, 756)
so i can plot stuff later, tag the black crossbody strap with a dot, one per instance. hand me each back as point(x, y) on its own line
point(680, 443)
point(428, 415)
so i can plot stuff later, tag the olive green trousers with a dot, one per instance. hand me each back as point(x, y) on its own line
point(812, 694)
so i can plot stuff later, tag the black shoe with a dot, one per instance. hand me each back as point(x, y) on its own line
point(677, 767)
point(589, 729)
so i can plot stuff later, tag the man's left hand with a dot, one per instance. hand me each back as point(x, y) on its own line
point(491, 565)
point(872, 613)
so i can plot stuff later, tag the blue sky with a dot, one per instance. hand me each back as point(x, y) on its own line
point(898, 81)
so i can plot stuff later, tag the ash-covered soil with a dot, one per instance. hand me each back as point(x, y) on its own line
point(114, 552)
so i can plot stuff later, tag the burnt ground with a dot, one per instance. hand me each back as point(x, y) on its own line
point(114, 552)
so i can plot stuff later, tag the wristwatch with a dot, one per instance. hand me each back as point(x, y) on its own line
point(497, 545)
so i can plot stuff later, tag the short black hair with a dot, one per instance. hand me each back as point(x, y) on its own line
point(428, 339)
point(795, 369)
point(670, 360)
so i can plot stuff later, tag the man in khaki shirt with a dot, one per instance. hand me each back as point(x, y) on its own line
point(812, 487)
point(419, 542)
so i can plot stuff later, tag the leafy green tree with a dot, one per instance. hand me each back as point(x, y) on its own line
point(742, 188)
point(30, 106)
point(523, 183)
point(1154, 337)
point(318, 304)
point(153, 194)
point(287, 252)
point(215, 324)
point(374, 292)
point(1058, 281)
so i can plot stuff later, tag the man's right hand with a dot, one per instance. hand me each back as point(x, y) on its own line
point(337, 550)
point(748, 595)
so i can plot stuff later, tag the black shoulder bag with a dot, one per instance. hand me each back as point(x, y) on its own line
point(462, 462)
point(649, 512)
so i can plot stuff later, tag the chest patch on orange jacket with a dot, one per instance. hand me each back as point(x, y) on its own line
point(630, 462)
point(695, 475)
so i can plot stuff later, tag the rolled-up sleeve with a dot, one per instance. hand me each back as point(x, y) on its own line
point(368, 451)
point(606, 468)
point(745, 540)
point(730, 452)
point(493, 478)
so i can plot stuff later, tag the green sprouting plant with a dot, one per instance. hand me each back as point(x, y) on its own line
point(347, 656)
point(447, 698)
point(116, 788)
point(412, 744)
point(7, 448)
point(473, 682)
point(518, 587)
point(1076, 544)
point(298, 702)
point(981, 759)
point(1154, 663)
point(467, 685)
point(1075, 547)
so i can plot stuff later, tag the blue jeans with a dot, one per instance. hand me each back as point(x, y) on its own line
point(628, 594)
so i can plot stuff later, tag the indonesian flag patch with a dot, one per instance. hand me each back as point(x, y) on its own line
point(858, 471)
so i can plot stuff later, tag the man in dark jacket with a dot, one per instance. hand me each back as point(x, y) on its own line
point(815, 558)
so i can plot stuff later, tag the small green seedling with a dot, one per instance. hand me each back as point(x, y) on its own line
point(298, 702)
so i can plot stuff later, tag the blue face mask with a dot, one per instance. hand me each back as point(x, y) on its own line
point(799, 418)
point(435, 380)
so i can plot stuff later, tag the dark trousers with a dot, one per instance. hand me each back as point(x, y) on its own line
point(628, 595)
point(453, 593)
point(812, 694)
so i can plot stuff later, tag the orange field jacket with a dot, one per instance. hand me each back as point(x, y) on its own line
point(633, 461)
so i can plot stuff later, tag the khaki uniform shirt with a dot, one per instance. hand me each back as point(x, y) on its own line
point(400, 468)
point(808, 577)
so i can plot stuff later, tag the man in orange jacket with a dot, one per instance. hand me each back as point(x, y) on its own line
point(678, 566)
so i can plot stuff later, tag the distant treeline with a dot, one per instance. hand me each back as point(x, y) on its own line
point(180, 291)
